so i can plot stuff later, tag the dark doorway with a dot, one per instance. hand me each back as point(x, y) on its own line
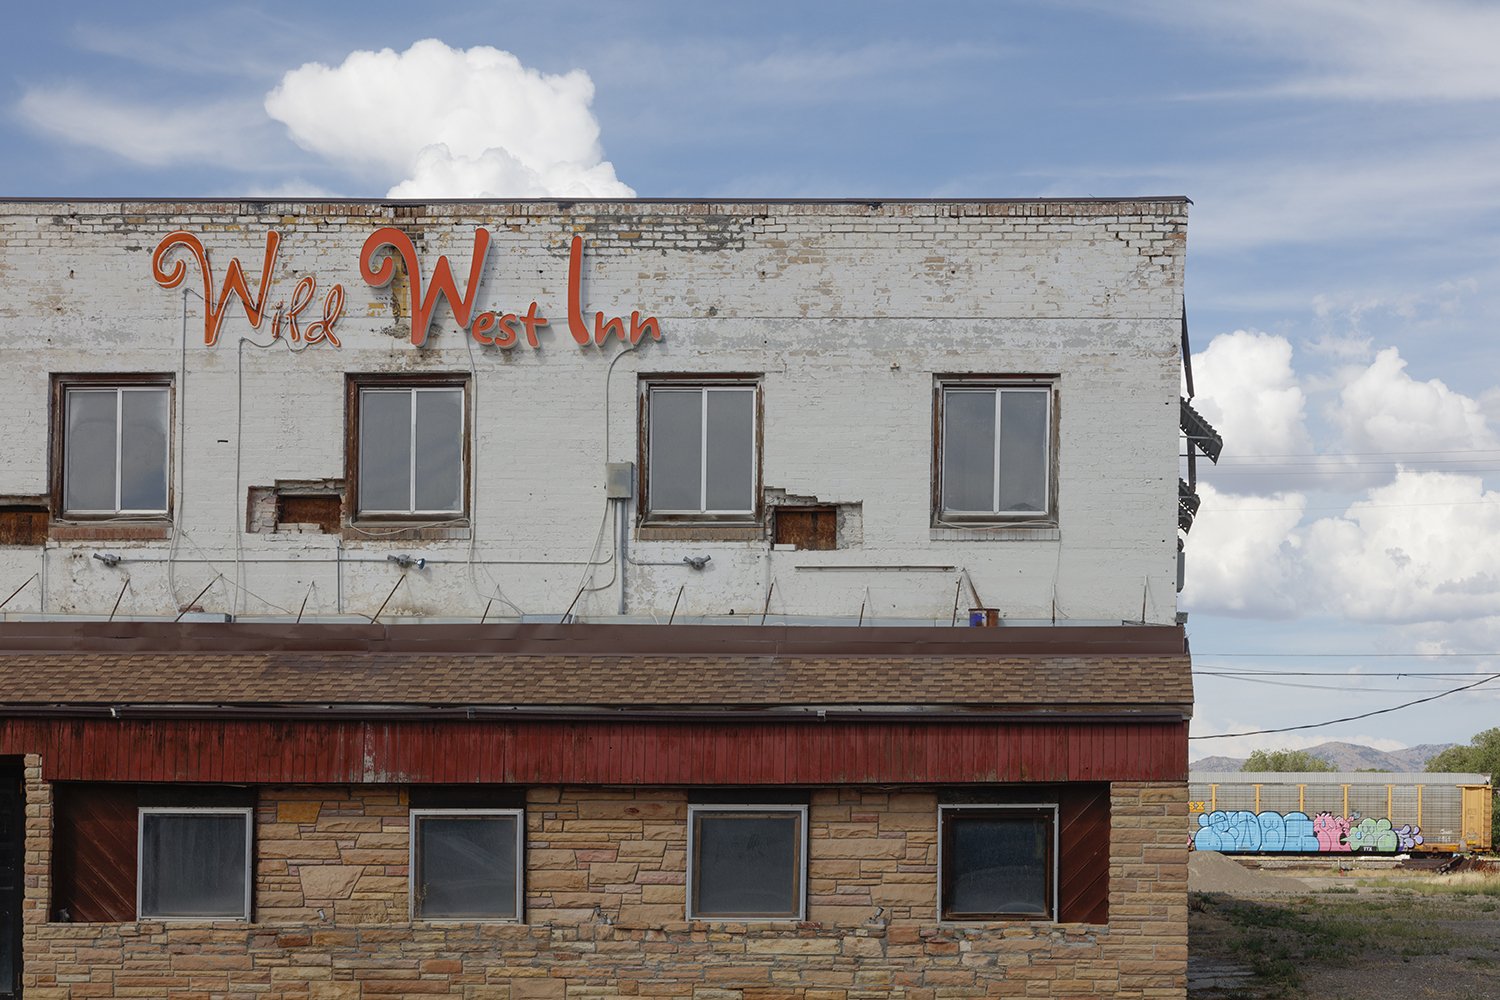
point(12, 874)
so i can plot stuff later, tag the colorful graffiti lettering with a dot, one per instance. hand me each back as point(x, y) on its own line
point(1296, 833)
point(1372, 835)
point(1408, 836)
point(1332, 832)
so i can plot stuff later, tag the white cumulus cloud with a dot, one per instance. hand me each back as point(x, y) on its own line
point(440, 122)
point(1384, 409)
point(1242, 555)
point(1423, 548)
point(1249, 392)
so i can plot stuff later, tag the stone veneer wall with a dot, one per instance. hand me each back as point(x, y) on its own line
point(605, 901)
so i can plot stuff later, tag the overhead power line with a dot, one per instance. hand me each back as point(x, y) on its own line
point(1359, 454)
point(1324, 673)
point(1350, 506)
point(1408, 656)
point(1351, 718)
point(1346, 687)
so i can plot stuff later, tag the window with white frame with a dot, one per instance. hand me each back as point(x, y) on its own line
point(194, 863)
point(411, 450)
point(747, 862)
point(702, 455)
point(116, 448)
point(997, 862)
point(995, 450)
point(466, 864)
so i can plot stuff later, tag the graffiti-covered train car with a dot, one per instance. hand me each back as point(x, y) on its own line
point(1338, 812)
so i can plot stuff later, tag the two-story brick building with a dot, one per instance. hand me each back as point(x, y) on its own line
point(574, 599)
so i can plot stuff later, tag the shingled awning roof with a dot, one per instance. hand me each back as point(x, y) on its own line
point(582, 669)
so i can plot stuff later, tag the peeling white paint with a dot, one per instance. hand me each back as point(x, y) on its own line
point(848, 311)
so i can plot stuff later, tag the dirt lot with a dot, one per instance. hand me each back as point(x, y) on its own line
point(1318, 931)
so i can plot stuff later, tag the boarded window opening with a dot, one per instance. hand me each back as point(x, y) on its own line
point(813, 528)
point(323, 510)
point(296, 505)
point(23, 523)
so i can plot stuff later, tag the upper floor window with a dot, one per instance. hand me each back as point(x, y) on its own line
point(995, 450)
point(410, 456)
point(116, 447)
point(702, 450)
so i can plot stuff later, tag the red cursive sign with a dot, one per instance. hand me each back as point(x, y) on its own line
point(492, 328)
point(171, 275)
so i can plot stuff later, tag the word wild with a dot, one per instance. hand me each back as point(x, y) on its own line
point(492, 328)
point(286, 319)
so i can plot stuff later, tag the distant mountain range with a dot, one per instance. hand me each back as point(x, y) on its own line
point(1346, 757)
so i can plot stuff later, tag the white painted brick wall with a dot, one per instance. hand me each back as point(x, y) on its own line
point(849, 309)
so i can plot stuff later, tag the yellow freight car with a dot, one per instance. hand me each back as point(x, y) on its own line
point(1338, 812)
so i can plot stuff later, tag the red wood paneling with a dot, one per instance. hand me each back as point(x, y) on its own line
point(1083, 838)
point(658, 753)
point(94, 831)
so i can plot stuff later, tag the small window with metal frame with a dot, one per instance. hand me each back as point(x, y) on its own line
point(702, 444)
point(466, 864)
point(995, 450)
point(193, 863)
point(116, 442)
point(747, 862)
point(997, 862)
point(410, 447)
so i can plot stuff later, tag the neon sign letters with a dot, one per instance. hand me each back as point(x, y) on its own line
point(492, 328)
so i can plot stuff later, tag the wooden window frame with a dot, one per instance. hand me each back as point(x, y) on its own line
point(57, 451)
point(755, 517)
point(1030, 810)
point(245, 812)
point(354, 384)
point(942, 384)
point(414, 867)
point(749, 810)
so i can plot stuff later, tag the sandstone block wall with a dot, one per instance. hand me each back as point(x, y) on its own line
point(606, 873)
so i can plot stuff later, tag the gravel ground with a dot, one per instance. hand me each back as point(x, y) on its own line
point(1411, 935)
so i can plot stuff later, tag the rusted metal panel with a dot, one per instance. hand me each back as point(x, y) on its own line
point(23, 525)
point(812, 528)
point(686, 753)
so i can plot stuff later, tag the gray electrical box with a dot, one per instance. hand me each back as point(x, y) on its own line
point(619, 480)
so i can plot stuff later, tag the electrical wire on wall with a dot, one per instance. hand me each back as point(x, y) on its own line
point(498, 593)
point(180, 517)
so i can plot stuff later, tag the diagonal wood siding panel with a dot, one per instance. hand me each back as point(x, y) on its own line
point(1083, 838)
point(94, 833)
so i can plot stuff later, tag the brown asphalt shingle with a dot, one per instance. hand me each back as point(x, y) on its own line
point(700, 680)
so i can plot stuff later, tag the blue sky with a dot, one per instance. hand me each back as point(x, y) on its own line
point(1343, 246)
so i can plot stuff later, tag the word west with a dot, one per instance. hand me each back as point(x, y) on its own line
point(493, 328)
point(288, 318)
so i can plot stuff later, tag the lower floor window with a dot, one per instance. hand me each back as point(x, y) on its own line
point(194, 863)
point(747, 861)
point(998, 862)
point(466, 864)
